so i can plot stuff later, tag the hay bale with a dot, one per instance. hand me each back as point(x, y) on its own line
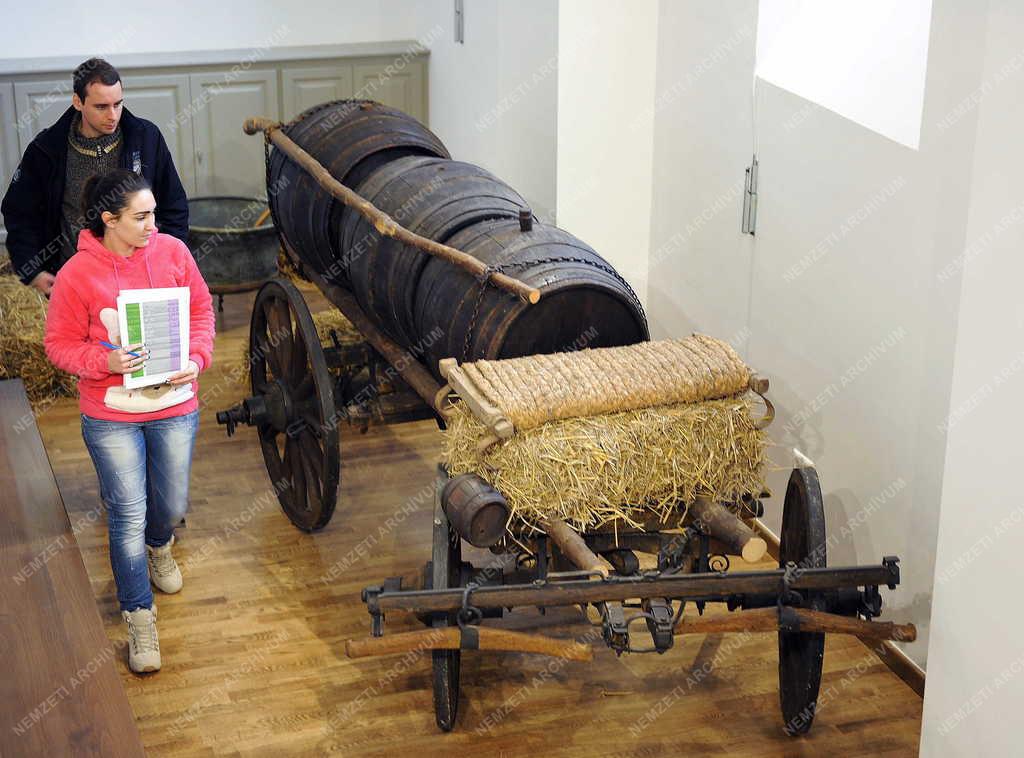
point(326, 321)
point(592, 470)
point(22, 328)
point(536, 389)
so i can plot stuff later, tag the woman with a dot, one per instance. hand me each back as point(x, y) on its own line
point(140, 441)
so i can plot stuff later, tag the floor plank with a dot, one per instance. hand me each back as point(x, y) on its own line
point(61, 692)
point(253, 646)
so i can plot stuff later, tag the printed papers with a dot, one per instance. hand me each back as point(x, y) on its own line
point(159, 319)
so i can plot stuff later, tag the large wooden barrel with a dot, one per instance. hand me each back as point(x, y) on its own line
point(351, 138)
point(432, 197)
point(584, 302)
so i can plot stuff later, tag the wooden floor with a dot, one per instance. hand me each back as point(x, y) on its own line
point(253, 646)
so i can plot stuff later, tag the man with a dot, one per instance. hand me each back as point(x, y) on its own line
point(96, 134)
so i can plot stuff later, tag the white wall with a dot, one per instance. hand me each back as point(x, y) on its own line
point(53, 28)
point(493, 98)
point(860, 341)
point(836, 298)
point(976, 653)
point(699, 263)
point(866, 61)
point(606, 78)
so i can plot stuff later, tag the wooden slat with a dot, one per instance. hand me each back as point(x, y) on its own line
point(60, 693)
point(767, 620)
point(453, 638)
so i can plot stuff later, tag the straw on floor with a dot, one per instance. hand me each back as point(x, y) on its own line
point(22, 328)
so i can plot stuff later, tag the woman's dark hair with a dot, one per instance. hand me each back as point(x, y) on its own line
point(108, 192)
point(92, 71)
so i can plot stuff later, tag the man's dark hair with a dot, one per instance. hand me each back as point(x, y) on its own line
point(93, 70)
point(108, 192)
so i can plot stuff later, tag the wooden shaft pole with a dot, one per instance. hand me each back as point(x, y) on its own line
point(404, 362)
point(451, 638)
point(728, 528)
point(381, 221)
point(767, 620)
point(574, 547)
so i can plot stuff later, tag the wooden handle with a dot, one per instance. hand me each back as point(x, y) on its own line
point(478, 638)
point(725, 526)
point(767, 620)
point(574, 546)
point(257, 124)
point(381, 221)
point(262, 218)
point(482, 409)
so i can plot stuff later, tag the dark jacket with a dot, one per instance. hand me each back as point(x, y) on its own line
point(32, 205)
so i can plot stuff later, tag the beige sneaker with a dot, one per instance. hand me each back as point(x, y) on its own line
point(143, 643)
point(163, 570)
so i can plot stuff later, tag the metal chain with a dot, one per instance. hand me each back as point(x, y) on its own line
point(485, 279)
point(573, 259)
point(786, 593)
point(322, 106)
point(468, 614)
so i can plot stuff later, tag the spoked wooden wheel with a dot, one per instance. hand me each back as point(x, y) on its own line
point(446, 564)
point(801, 653)
point(299, 437)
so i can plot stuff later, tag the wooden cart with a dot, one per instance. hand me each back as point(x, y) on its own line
point(301, 392)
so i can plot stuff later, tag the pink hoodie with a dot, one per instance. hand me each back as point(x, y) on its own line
point(89, 283)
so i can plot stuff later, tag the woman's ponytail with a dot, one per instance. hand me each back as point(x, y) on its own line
point(108, 193)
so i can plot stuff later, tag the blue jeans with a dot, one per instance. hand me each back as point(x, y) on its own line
point(143, 469)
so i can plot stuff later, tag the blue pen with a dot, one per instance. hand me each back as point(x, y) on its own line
point(118, 347)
